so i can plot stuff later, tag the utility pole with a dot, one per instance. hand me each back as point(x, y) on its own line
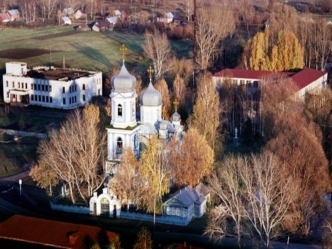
point(195, 27)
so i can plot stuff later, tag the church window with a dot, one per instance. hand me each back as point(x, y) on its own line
point(119, 143)
point(120, 110)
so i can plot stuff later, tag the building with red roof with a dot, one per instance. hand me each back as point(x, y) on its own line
point(52, 233)
point(307, 79)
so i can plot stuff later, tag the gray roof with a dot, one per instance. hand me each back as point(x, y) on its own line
point(124, 82)
point(176, 116)
point(188, 195)
point(151, 96)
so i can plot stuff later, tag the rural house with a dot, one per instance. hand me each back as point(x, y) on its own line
point(4, 17)
point(14, 14)
point(188, 202)
point(80, 14)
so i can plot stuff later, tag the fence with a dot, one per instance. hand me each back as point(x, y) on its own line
point(170, 220)
point(70, 209)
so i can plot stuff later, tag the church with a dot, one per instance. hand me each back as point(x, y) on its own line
point(126, 131)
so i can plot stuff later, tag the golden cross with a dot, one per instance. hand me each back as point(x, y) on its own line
point(150, 71)
point(123, 50)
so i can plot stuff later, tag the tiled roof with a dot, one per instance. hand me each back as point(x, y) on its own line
point(48, 232)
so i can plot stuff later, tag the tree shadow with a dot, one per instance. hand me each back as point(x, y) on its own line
point(92, 54)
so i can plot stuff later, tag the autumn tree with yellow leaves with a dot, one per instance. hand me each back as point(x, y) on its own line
point(261, 53)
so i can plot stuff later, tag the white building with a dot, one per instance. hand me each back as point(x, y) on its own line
point(50, 87)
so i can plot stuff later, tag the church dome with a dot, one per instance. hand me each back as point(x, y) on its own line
point(176, 117)
point(123, 82)
point(151, 96)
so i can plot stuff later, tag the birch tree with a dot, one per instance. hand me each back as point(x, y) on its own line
point(154, 172)
point(77, 152)
point(212, 25)
point(225, 184)
point(157, 48)
point(206, 112)
point(162, 87)
point(125, 180)
point(48, 7)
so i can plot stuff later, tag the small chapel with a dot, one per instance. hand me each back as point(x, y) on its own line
point(126, 131)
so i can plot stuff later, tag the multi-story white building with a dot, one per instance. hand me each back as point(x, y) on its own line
point(50, 87)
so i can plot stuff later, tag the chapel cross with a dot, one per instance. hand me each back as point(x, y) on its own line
point(150, 71)
point(123, 50)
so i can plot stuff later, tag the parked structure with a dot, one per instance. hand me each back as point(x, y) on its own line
point(49, 86)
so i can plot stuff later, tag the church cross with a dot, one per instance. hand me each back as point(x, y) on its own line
point(123, 50)
point(150, 71)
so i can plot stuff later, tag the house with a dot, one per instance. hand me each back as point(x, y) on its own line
point(112, 20)
point(307, 79)
point(166, 17)
point(188, 202)
point(14, 14)
point(66, 20)
point(80, 14)
point(39, 232)
point(101, 25)
point(82, 27)
point(52, 87)
point(106, 204)
point(4, 17)
point(117, 13)
point(68, 11)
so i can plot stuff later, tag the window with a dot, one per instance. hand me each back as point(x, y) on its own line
point(63, 90)
point(35, 87)
point(70, 100)
point(98, 92)
point(31, 96)
point(83, 97)
point(43, 98)
point(13, 84)
point(46, 88)
point(75, 99)
point(18, 84)
point(26, 85)
point(6, 83)
point(50, 88)
point(120, 110)
point(7, 94)
point(39, 98)
point(64, 101)
point(83, 86)
point(43, 88)
point(51, 99)
point(38, 87)
point(47, 99)
point(119, 143)
point(31, 86)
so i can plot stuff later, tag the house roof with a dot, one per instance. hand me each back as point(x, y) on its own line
point(301, 78)
point(66, 19)
point(306, 76)
point(4, 17)
point(112, 19)
point(13, 12)
point(49, 233)
point(117, 12)
point(188, 195)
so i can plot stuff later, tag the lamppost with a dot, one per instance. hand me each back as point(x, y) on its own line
point(20, 183)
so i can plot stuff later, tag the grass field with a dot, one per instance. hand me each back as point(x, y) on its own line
point(85, 50)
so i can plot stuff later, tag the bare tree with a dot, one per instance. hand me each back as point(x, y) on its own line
point(48, 7)
point(213, 24)
point(269, 194)
point(158, 49)
point(225, 184)
point(76, 153)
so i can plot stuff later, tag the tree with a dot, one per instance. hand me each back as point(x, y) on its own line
point(225, 184)
point(179, 89)
point(124, 181)
point(48, 7)
point(77, 152)
point(210, 30)
point(162, 87)
point(144, 240)
point(44, 175)
point(154, 172)
point(158, 49)
point(206, 113)
point(262, 54)
point(191, 158)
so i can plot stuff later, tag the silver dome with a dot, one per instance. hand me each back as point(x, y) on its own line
point(176, 117)
point(151, 96)
point(123, 82)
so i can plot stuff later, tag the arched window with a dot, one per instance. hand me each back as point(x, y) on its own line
point(120, 110)
point(119, 143)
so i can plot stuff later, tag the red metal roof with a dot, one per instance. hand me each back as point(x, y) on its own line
point(301, 78)
point(48, 232)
